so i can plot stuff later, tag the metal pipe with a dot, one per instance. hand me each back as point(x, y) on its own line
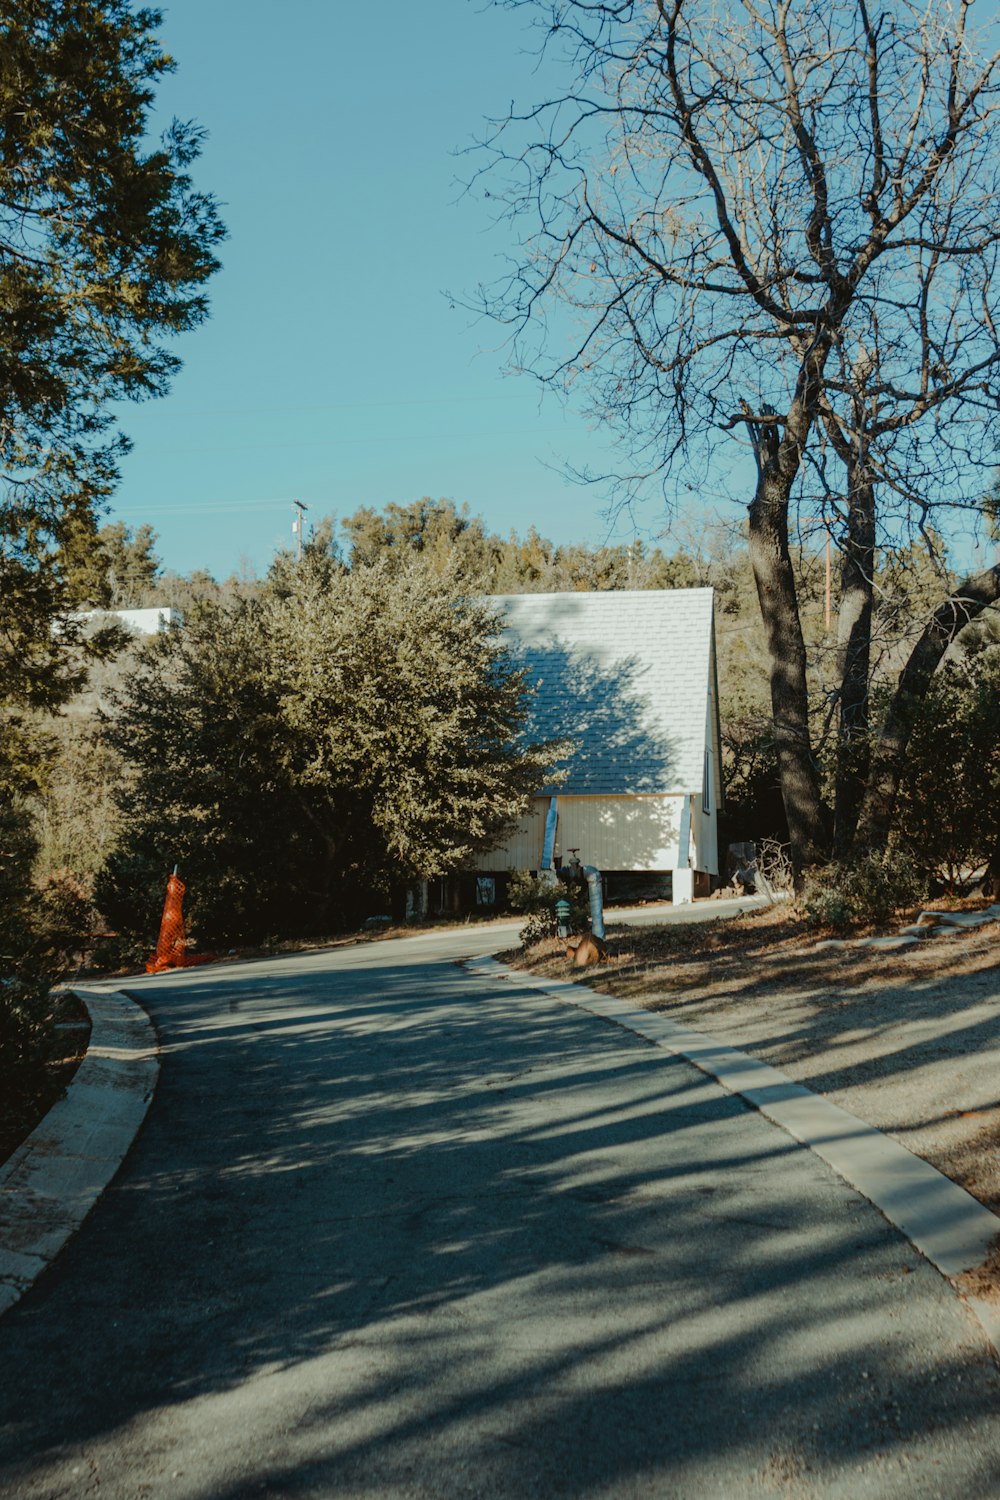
point(548, 847)
point(593, 875)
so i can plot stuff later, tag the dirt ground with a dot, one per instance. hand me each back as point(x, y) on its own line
point(907, 1040)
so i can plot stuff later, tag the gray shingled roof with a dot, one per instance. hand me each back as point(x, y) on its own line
point(626, 675)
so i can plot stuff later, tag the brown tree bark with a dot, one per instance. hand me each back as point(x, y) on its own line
point(776, 593)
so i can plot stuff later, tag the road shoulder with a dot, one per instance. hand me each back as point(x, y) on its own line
point(51, 1182)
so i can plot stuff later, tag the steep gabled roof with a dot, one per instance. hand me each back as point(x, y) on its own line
point(626, 675)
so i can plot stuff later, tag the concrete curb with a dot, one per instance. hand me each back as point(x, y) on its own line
point(52, 1181)
point(946, 1224)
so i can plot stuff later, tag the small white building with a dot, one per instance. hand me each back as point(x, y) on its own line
point(136, 621)
point(141, 621)
point(631, 678)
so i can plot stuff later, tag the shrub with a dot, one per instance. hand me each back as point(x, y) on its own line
point(63, 919)
point(949, 797)
point(868, 891)
point(537, 899)
point(118, 951)
point(540, 925)
point(825, 906)
point(529, 893)
point(25, 1029)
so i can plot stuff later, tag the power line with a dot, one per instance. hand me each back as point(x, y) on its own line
point(451, 436)
point(159, 412)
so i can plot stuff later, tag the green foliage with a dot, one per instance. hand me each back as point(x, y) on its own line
point(63, 920)
point(539, 926)
point(111, 567)
point(18, 845)
point(529, 893)
point(949, 799)
point(40, 927)
point(453, 543)
point(191, 593)
point(867, 891)
point(106, 241)
point(450, 542)
point(24, 1030)
point(75, 811)
point(22, 992)
point(537, 898)
point(40, 666)
point(298, 751)
point(105, 246)
point(753, 806)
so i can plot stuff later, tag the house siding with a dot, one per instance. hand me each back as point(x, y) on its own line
point(613, 833)
point(629, 679)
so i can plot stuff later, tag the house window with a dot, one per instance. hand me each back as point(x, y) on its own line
point(706, 785)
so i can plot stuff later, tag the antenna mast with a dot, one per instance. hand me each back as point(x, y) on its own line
point(298, 525)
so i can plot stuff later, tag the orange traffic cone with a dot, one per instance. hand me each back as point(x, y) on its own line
point(170, 951)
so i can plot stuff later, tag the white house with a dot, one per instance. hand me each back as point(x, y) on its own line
point(630, 677)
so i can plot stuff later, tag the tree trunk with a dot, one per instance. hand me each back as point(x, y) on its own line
point(991, 885)
point(964, 604)
point(776, 594)
point(854, 658)
point(397, 901)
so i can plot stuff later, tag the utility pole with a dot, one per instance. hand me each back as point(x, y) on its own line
point(298, 525)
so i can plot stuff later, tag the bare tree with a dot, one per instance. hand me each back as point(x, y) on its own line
point(776, 222)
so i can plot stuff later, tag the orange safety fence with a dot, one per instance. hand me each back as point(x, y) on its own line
point(171, 952)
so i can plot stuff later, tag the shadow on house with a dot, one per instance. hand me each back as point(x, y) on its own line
point(630, 679)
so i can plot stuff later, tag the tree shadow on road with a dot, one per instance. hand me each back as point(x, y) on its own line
point(458, 1240)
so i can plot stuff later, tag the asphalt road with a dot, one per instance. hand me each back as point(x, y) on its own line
point(390, 1231)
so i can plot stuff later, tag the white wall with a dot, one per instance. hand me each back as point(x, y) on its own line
point(139, 621)
point(147, 621)
point(613, 833)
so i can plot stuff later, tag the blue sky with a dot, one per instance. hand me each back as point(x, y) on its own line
point(333, 369)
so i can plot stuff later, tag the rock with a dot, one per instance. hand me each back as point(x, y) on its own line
point(964, 919)
point(888, 943)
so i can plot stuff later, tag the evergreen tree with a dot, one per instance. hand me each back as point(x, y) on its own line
point(109, 567)
point(302, 752)
point(105, 246)
point(444, 535)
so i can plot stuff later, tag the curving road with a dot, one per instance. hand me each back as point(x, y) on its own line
point(391, 1231)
